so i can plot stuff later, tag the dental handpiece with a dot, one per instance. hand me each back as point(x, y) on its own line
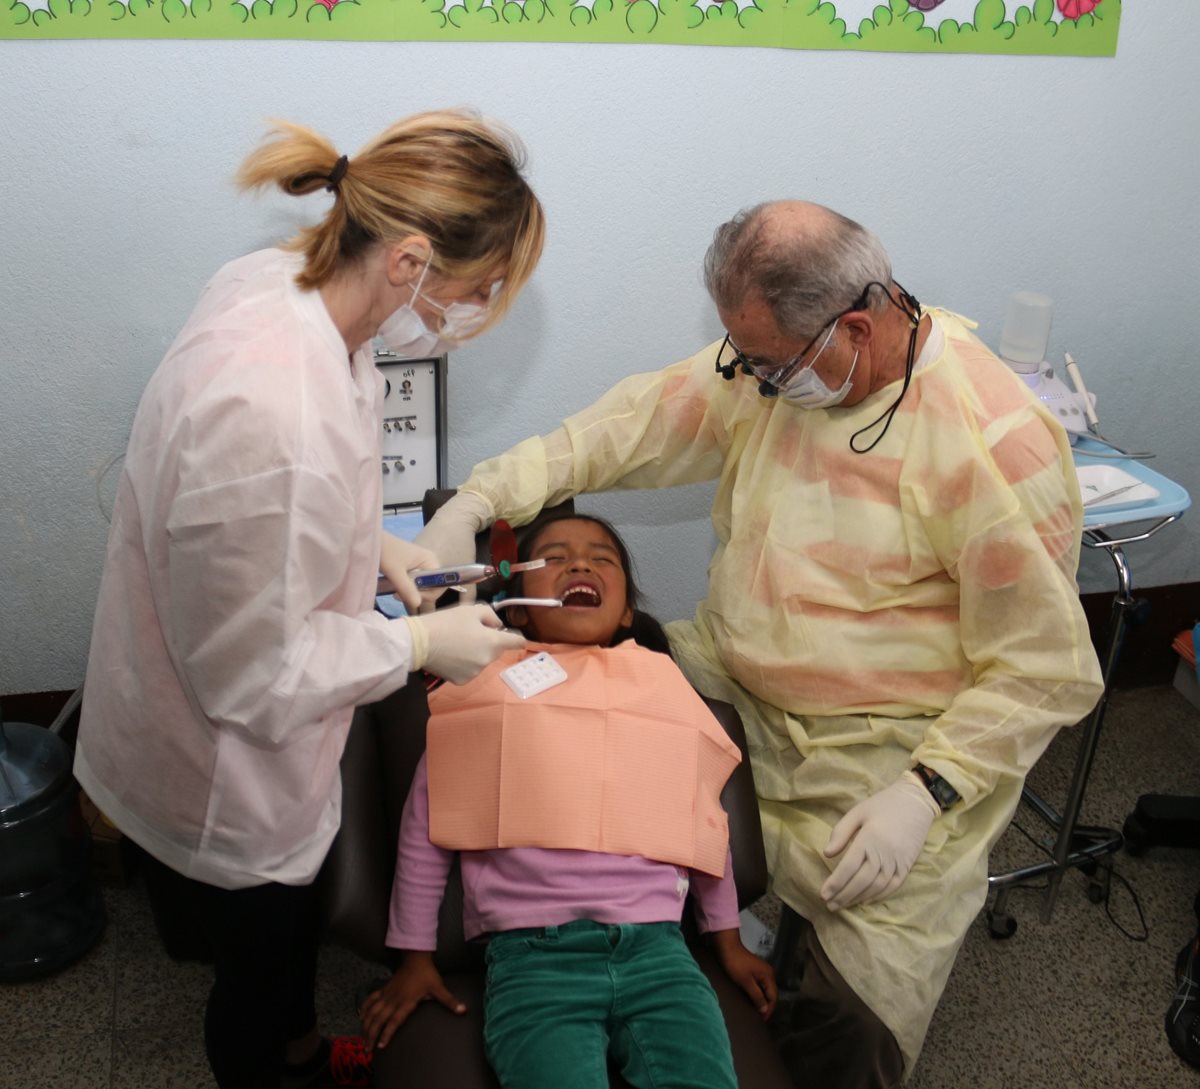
point(456, 577)
point(1077, 381)
point(464, 574)
point(1093, 421)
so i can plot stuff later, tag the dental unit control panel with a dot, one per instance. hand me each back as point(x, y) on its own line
point(414, 428)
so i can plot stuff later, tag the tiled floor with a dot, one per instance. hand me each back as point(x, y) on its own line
point(1066, 1004)
point(128, 1017)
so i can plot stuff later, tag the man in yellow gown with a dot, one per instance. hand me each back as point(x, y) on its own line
point(892, 603)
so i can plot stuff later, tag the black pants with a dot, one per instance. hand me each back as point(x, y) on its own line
point(828, 1037)
point(263, 941)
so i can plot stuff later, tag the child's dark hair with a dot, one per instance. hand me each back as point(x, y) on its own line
point(644, 629)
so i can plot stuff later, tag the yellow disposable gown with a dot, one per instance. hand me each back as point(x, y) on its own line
point(866, 612)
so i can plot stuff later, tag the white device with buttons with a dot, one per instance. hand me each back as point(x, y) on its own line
point(414, 428)
point(1023, 345)
point(533, 675)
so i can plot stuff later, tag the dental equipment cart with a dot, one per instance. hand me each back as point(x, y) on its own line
point(1120, 495)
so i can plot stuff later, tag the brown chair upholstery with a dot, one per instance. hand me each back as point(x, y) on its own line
point(436, 1049)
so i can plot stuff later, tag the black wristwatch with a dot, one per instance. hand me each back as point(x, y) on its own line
point(943, 793)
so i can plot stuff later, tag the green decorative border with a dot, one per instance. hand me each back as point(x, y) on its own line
point(789, 24)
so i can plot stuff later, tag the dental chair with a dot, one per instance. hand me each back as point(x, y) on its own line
point(436, 1049)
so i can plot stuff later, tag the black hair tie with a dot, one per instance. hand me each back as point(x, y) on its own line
point(334, 177)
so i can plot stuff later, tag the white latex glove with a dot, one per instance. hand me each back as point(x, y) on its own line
point(456, 643)
point(882, 838)
point(450, 533)
point(398, 557)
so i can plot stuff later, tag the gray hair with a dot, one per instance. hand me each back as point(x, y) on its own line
point(805, 274)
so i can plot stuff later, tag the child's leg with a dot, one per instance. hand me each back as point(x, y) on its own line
point(668, 1029)
point(549, 994)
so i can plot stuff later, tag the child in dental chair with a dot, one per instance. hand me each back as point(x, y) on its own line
point(576, 864)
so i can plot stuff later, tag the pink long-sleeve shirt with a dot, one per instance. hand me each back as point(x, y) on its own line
point(514, 887)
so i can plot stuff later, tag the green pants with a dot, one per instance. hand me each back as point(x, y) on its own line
point(564, 1000)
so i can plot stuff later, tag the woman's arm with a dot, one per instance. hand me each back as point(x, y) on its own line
point(252, 565)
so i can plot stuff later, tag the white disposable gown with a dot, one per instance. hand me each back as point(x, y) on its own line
point(916, 603)
point(234, 631)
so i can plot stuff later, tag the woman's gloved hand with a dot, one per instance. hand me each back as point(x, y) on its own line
point(882, 837)
point(450, 533)
point(397, 558)
point(457, 643)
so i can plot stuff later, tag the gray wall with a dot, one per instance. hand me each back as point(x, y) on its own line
point(983, 175)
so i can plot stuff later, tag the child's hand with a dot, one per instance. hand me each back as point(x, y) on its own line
point(753, 974)
point(416, 980)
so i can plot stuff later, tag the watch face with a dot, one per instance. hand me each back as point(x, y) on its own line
point(943, 793)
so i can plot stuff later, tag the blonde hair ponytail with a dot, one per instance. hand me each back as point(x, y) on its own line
point(445, 174)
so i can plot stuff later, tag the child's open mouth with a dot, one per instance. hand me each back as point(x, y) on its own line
point(581, 596)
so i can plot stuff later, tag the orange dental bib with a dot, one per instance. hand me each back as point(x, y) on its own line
point(623, 757)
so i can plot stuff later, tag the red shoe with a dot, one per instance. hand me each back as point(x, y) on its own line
point(342, 1062)
point(349, 1061)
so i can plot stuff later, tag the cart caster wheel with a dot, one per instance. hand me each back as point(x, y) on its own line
point(1000, 927)
point(1095, 892)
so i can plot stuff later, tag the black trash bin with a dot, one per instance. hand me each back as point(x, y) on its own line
point(51, 911)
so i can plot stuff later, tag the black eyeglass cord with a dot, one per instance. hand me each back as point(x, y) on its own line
point(909, 306)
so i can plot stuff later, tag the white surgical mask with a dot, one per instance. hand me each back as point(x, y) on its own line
point(406, 334)
point(806, 388)
point(459, 319)
point(404, 331)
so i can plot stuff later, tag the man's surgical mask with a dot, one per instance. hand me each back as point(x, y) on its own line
point(806, 389)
